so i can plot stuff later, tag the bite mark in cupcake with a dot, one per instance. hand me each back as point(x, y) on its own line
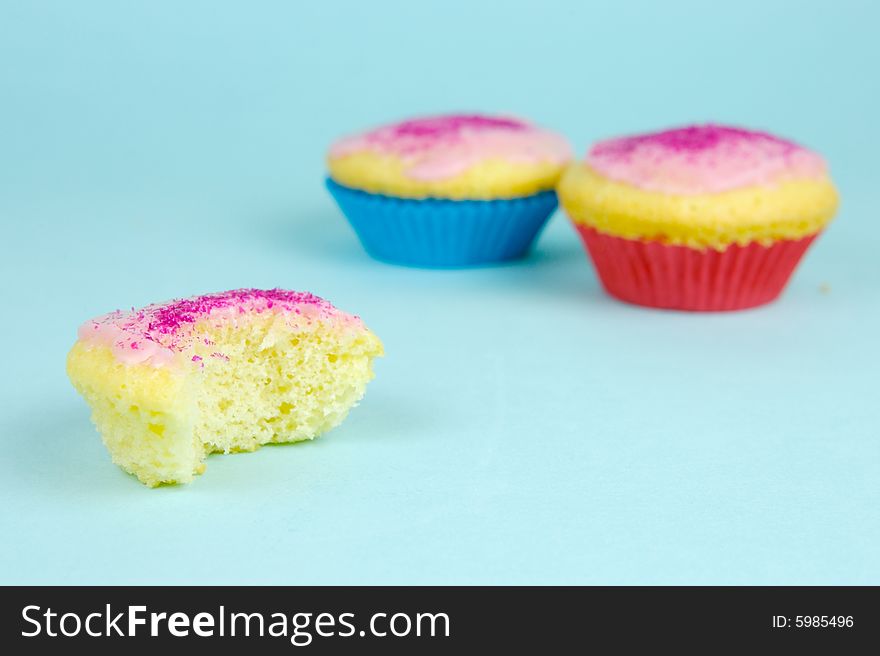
point(173, 382)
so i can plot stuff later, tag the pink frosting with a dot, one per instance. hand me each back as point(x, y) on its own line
point(439, 147)
point(703, 159)
point(158, 334)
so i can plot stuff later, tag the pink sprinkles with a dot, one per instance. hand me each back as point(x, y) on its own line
point(692, 139)
point(703, 159)
point(420, 134)
point(440, 126)
point(168, 318)
point(149, 331)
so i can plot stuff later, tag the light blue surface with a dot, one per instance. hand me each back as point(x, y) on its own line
point(523, 427)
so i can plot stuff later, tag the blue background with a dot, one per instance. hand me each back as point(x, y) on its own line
point(523, 428)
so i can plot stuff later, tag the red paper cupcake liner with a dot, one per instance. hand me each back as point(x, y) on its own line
point(650, 273)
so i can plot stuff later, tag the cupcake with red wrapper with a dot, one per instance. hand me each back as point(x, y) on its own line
point(448, 191)
point(701, 218)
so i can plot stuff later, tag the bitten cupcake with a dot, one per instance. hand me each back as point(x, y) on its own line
point(704, 217)
point(173, 382)
point(448, 191)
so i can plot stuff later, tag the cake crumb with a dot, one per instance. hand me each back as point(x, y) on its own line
point(825, 288)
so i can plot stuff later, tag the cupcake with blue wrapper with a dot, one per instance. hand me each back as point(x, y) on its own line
point(448, 191)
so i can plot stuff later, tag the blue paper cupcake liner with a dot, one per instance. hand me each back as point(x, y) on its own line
point(444, 233)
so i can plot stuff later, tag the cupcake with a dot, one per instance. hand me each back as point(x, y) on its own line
point(448, 191)
point(705, 217)
point(169, 384)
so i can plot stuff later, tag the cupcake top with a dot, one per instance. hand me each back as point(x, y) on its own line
point(704, 186)
point(703, 159)
point(160, 333)
point(453, 156)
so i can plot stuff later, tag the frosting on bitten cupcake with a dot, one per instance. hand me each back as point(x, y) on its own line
point(174, 332)
point(701, 186)
point(170, 383)
point(465, 156)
